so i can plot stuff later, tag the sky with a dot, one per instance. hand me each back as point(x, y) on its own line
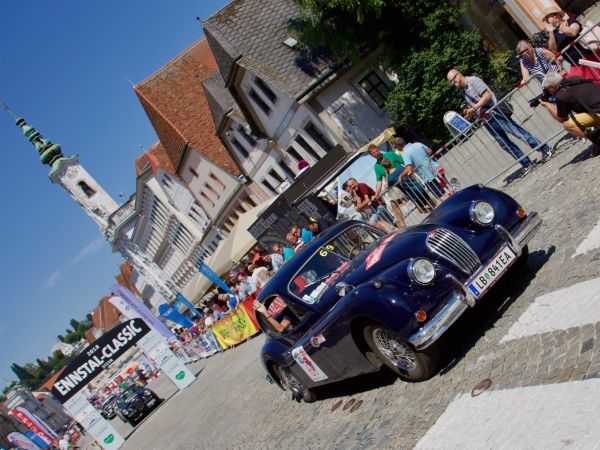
point(65, 67)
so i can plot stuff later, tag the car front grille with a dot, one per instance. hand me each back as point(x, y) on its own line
point(452, 248)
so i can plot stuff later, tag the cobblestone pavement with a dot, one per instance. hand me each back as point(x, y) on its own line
point(231, 405)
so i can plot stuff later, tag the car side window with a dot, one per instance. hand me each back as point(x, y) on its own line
point(281, 310)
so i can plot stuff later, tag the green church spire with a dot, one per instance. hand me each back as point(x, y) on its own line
point(48, 152)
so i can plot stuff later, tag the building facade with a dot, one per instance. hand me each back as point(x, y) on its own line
point(274, 104)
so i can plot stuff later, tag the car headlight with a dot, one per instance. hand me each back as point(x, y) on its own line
point(421, 270)
point(482, 213)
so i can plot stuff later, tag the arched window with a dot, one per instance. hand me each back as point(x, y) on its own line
point(87, 190)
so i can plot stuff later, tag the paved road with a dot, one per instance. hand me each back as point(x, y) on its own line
point(533, 336)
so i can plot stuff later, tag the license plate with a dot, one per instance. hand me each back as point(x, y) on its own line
point(488, 275)
point(152, 402)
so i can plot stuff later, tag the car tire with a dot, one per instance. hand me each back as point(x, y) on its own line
point(290, 383)
point(399, 356)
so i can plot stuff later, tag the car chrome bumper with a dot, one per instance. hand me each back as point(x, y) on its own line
point(461, 298)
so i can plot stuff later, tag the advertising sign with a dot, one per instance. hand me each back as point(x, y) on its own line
point(97, 357)
point(170, 313)
point(212, 276)
point(160, 353)
point(132, 307)
point(91, 419)
point(187, 303)
point(35, 424)
point(20, 441)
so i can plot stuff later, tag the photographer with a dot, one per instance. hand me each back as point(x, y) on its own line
point(576, 106)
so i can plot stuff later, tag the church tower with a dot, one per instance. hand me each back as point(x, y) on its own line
point(68, 172)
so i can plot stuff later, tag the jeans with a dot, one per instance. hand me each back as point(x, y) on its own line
point(499, 125)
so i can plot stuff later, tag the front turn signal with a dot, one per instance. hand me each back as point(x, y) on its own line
point(521, 213)
point(421, 315)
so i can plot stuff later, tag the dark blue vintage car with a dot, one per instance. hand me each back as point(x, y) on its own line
point(354, 299)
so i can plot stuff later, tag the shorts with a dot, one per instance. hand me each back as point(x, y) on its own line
point(377, 215)
point(435, 187)
point(415, 192)
point(584, 119)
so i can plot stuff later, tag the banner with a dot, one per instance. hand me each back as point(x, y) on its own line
point(209, 343)
point(35, 424)
point(36, 439)
point(248, 306)
point(164, 358)
point(189, 305)
point(20, 441)
point(91, 419)
point(97, 357)
point(132, 307)
point(170, 313)
point(212, 276)
point(242, 323)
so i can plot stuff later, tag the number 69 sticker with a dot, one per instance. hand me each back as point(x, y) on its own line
point(323, 253)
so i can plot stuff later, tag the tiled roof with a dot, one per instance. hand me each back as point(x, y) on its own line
point(124, 278)
point(47, 386)
point(178, 108)
point(220, 100)
point(156, 157)
point(256, 30)
point(105, 316)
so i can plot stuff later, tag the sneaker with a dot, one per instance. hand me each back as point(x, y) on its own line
point(526, 169)
point(548, 154)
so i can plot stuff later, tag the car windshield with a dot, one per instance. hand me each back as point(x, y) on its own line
point(128, 394)
point(314, 278)
point(108, 401)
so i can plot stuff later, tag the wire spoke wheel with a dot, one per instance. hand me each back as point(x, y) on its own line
point(394, 350)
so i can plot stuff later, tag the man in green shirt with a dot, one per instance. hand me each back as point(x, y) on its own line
point(381, 174)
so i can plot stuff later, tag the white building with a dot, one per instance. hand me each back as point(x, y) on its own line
point(275, 103)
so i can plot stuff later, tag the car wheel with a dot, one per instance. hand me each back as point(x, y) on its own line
point(290, 383)
point(399, 356)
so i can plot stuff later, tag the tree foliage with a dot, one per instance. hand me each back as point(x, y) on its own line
point(419, 40)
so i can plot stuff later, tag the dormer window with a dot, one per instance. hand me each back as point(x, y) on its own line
point(260, 84)
point(260, 102)
point(86, 188)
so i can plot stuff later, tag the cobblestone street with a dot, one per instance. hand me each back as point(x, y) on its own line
point(526, 337)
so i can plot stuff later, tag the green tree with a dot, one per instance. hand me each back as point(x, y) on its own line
point(74, 324)
point(419, 40)
point(21, 372)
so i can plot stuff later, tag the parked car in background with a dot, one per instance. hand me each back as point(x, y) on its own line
point(135, 402)
point(108, 410)
point(354, 299)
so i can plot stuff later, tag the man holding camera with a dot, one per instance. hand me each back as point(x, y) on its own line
point(480, 99)
point(576, 106)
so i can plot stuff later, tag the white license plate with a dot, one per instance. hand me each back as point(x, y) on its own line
point(487, 276)
point(152, 402)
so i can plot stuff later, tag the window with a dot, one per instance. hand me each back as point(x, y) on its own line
point(239, 147)
point(318, 137)
point(247, 137)
point(216, 178)
point(266, 184)
point(276, 175)
point(286, 170)
point(280, 310)
point(212, 189)
point(375, 88)
point(260, 102)
point(329, 262)
point(294, 154)
point(193, 172)
point(266, 90)
point(87, 190)
point(307, 148)
point(212, 204)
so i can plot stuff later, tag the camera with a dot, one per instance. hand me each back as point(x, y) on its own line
point(544, 96)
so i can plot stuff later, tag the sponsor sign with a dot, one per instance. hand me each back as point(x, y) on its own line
point(132, 307)
point(212, 276)
point(20, 441)
point(170, 313)
point(35, 424)
point(97, 357)
point(187, 303)
point(159, 352)
point(375, 255)
point(308, 365)
point(91, 419)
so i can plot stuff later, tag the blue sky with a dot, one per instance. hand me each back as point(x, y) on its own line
point(64, 68)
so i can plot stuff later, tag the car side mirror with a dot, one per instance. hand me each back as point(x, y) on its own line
point(343, 288)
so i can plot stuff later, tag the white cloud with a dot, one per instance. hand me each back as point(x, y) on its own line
point(52, 280)
point(88, 250)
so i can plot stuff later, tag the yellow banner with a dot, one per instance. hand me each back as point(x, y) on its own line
point(242, 323)
point(225, 333)
point(234, 328)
